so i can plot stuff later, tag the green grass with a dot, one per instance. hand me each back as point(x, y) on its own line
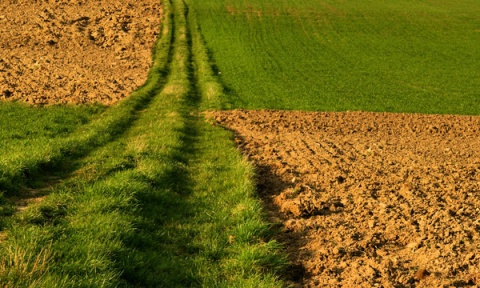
point(25, 130)
point(145, 194)
point(22, 123)
point(26, 133)
point(375, 55)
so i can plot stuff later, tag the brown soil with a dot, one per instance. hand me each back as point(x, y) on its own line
point(69, 51)
point(366, 199)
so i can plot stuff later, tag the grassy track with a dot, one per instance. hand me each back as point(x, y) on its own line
point(402, 56)
point(142, 196)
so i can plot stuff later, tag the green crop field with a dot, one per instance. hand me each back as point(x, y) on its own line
point(374, 55)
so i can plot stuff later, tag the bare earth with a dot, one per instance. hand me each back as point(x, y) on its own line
point(69, 51)
point(369, 199)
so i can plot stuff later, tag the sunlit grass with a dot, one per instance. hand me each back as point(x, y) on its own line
point(401, 56)
point(146, 195)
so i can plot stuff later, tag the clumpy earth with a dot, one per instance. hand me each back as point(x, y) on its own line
point(369, 199)
point(69, 51)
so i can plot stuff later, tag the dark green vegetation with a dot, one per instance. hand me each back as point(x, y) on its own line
point(375, 55)
point(144, 193)
point(26, 132)
point(28, 137)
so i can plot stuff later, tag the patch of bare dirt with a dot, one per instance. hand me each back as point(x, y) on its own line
point(66, 51)
point(369, 199)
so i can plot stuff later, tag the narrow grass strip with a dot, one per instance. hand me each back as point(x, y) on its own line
point(240, 250)
point(236, 245)
point(213, 96)
point(211, 231)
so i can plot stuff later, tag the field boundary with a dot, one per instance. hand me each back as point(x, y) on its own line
point(152, 203)
point(107, 127)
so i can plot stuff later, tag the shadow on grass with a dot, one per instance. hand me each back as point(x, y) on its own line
point(38, 179)
point(161, 252)
point(34, 179)
point(269, 184)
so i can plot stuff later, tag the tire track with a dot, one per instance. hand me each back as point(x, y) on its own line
point(110, 126)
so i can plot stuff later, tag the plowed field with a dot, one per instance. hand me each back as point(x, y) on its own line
point(369, 199)
point(67, 51)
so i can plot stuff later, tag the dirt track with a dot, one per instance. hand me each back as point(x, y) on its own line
point(369, 200)
point(65, 51)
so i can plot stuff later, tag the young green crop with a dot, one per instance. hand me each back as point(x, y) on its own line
point(399, 56)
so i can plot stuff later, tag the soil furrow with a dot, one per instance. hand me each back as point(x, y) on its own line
point(75, 52)
point(389, 200)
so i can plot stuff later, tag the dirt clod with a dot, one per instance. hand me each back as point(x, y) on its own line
point(66, 51)
point(379, 199)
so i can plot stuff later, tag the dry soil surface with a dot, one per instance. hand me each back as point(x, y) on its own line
point(75, 51)
point(369, 199)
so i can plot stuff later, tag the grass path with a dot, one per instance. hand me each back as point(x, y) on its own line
point(148, 194)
